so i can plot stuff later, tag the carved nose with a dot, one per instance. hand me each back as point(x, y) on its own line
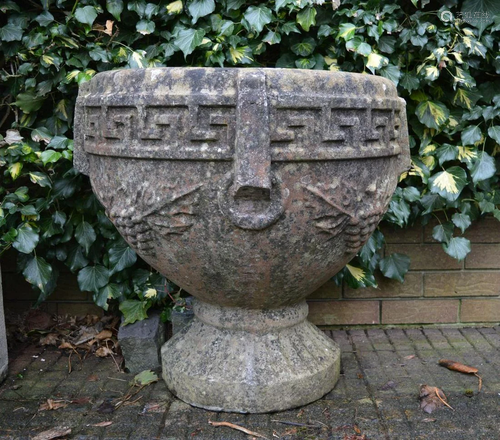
point(252, 163)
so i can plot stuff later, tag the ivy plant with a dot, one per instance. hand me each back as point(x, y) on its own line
point(443, 57)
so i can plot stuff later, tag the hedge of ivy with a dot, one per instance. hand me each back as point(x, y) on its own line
point(444, 58)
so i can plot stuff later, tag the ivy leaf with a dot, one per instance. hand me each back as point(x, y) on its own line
point(175, 7)
point(465, 98)
point(471, 135)
point(290, 27)
point(50, 156)
point(391, 72)
point(443, 232)
point(446, 153)
point(26, 240)
point(201, 8)
point(144, 378)
point(398, 212)
point(39, 273)
point(357, 277)
point(107, 292)
point(411, 194)
point(257, 17)
point(395, 266)
point(494, 133)
point(432, 114)
point(431, 202)
point(376, 61)
point(307, 18)
point(449, 183)
point(145, 27)
point(45, 18)
point(85, 235)
point(59, 142)
point(40, 178)
point(364, 49)
point(272, 38)
point(92, 278)
point(483, 167)
point(86, 15)
point(76, 260)
point(121, 256)
point(410, 82)
point(28, 102)
point(188, 39)
point(461, 220)
point(346, 31)
point(304, 48)
point(305, 63)
point(458, 247)
point(15, 170)
point(11, 32)
point(115, 8)
point(137, 59)
point(134, 310)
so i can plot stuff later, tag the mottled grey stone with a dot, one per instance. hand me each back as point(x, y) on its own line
point(141, 343)
point(180, 319)
point(4, 358)
point(249, 188)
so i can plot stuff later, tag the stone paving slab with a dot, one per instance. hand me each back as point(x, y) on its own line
point(376, 396)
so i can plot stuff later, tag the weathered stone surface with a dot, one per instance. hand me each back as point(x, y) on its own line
point(246, 360)
point(4, 358)
point(249, 188)
point(141, 343)
point(180, 319)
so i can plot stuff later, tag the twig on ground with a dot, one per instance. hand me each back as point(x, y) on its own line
point(436, 390)
point(238, 428)
point(305, 425)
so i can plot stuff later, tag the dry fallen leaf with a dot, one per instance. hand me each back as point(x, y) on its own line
point(51, 405)
point(52, 433)
point(389, 385)
point(81, 401)
point(104, 334)
point(457, 366)
point(93, 378)
point(103, 424)
point(109, 27)
point(432, 398)
point(67, 345)
point(50, 339)
point(103, 351)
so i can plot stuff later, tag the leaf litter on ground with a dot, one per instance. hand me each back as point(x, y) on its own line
point(432, 398)
point(457, 366)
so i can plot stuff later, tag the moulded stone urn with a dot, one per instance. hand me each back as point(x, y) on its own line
point(249, 188)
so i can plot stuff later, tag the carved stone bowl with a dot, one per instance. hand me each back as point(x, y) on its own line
point(249, 188)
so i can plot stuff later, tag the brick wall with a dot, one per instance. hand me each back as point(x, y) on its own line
point(67, 299)
point(438, 289)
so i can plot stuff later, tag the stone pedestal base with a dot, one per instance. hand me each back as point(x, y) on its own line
point(250, 361)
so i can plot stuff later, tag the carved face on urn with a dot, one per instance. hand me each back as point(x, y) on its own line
point(247, 187)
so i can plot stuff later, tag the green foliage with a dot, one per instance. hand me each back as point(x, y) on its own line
point(446, 69)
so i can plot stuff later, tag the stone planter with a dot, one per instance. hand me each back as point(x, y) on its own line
point(249, 188)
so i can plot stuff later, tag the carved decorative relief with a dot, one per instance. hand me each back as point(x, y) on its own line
point(327, 131)
point(333, 214)
point(142, 214)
